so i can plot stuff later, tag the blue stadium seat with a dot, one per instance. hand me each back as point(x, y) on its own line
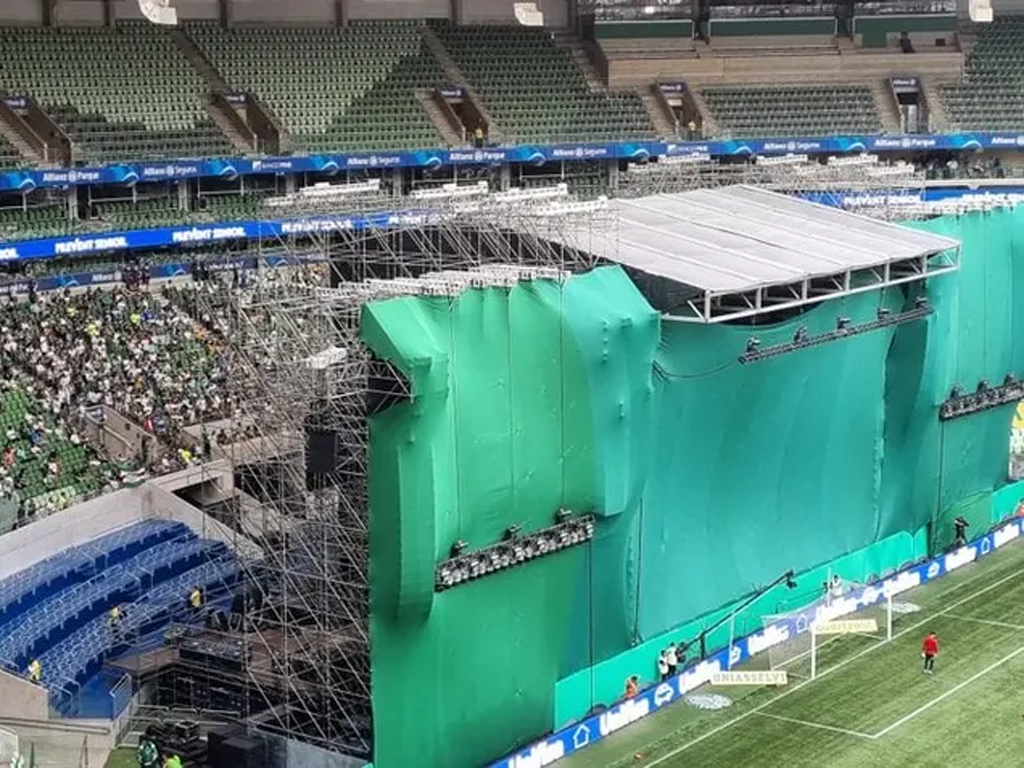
point(77, 657)
point(64, 613)
point(33, 585)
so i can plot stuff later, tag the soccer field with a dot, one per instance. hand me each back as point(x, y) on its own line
point(872, 704)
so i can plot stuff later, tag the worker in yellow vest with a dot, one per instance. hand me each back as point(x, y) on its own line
point(173, 762)
point(195, 599)
point(35, 671)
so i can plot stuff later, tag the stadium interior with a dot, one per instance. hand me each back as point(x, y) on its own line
point(311, 314)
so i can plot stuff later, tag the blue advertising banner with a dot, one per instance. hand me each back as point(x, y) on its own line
point(241, 230)
point(28, 180)
point(593, 729)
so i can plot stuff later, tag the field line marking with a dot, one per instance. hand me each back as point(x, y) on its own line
point(925, 707)
point(990, 622)
point(830, 670)
point(822, 726)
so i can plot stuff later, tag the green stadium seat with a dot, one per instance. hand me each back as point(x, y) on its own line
point(991, 95)
point(334, 89)
point(792, 110)
point(121, 93)
point(535, 91)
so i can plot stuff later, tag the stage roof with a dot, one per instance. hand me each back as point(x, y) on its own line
point(765, 248)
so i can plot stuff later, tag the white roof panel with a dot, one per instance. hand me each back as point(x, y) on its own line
point(735, 239)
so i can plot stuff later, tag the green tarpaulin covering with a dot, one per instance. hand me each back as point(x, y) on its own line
point(708, 478)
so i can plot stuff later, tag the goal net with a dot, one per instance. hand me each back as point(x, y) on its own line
point(806, 641)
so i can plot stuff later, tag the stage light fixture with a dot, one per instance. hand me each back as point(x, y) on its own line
point(985, 397)
point(514, 549)
point(844, 330)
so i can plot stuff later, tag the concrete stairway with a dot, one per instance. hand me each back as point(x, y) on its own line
point(662, 118)
point(453, 73)
point(443, 123)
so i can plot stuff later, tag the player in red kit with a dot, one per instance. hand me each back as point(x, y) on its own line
point(929, 650)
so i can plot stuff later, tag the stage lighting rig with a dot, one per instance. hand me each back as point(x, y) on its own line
point(984, 398)
point(844, 330)
point(515, 548)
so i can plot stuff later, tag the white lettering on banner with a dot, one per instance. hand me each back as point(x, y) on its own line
point(1007, 141)
point(575, 153)
point(792, 146)
point(477, 156)
point(1003, 536)
point(835, 609)
point(540, 755)
point(934, 569)
point(772, 636)
point(71, 177)
point(79, 245)
point(195, 235)
point(105, 277)
point(266, 166)
point(373, 161)
point(318, 225)
point(663, 694)
point(735, 655)
point(961, 557)
point(627, 712)
point(166, 171)
point(6, 254)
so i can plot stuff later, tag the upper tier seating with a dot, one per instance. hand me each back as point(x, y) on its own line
point(123, 93)
point(57, 609)
point(334, 89)
point(746, 112)
point(536, 92)
point(991, 96)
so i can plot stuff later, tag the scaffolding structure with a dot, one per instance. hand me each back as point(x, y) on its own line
point(304, 387)
point(860, 183)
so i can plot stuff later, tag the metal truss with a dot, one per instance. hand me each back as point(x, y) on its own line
point(859, 183)
point(297, 368)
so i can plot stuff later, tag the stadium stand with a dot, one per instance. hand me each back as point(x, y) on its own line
point(9, 156)
point(47, 220)
point(535, 90)
point(56, 611)
point(991, 96)
point(793, 110)
point(121, 93)
point(45, 465)
point(335, 89)
point(65, 355)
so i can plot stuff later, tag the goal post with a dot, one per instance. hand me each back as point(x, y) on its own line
point(814, 636)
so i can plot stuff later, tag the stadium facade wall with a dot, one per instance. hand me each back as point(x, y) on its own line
point(21, 12)
point(547, 396)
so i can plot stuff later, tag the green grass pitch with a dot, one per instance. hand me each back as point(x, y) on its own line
point(871, 705)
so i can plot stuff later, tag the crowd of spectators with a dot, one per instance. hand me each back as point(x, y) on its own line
point(66, 354)
point(153, 353)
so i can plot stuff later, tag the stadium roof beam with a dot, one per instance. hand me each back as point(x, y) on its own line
point(740, 251)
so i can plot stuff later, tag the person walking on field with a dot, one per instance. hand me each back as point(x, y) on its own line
point(929, 650)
